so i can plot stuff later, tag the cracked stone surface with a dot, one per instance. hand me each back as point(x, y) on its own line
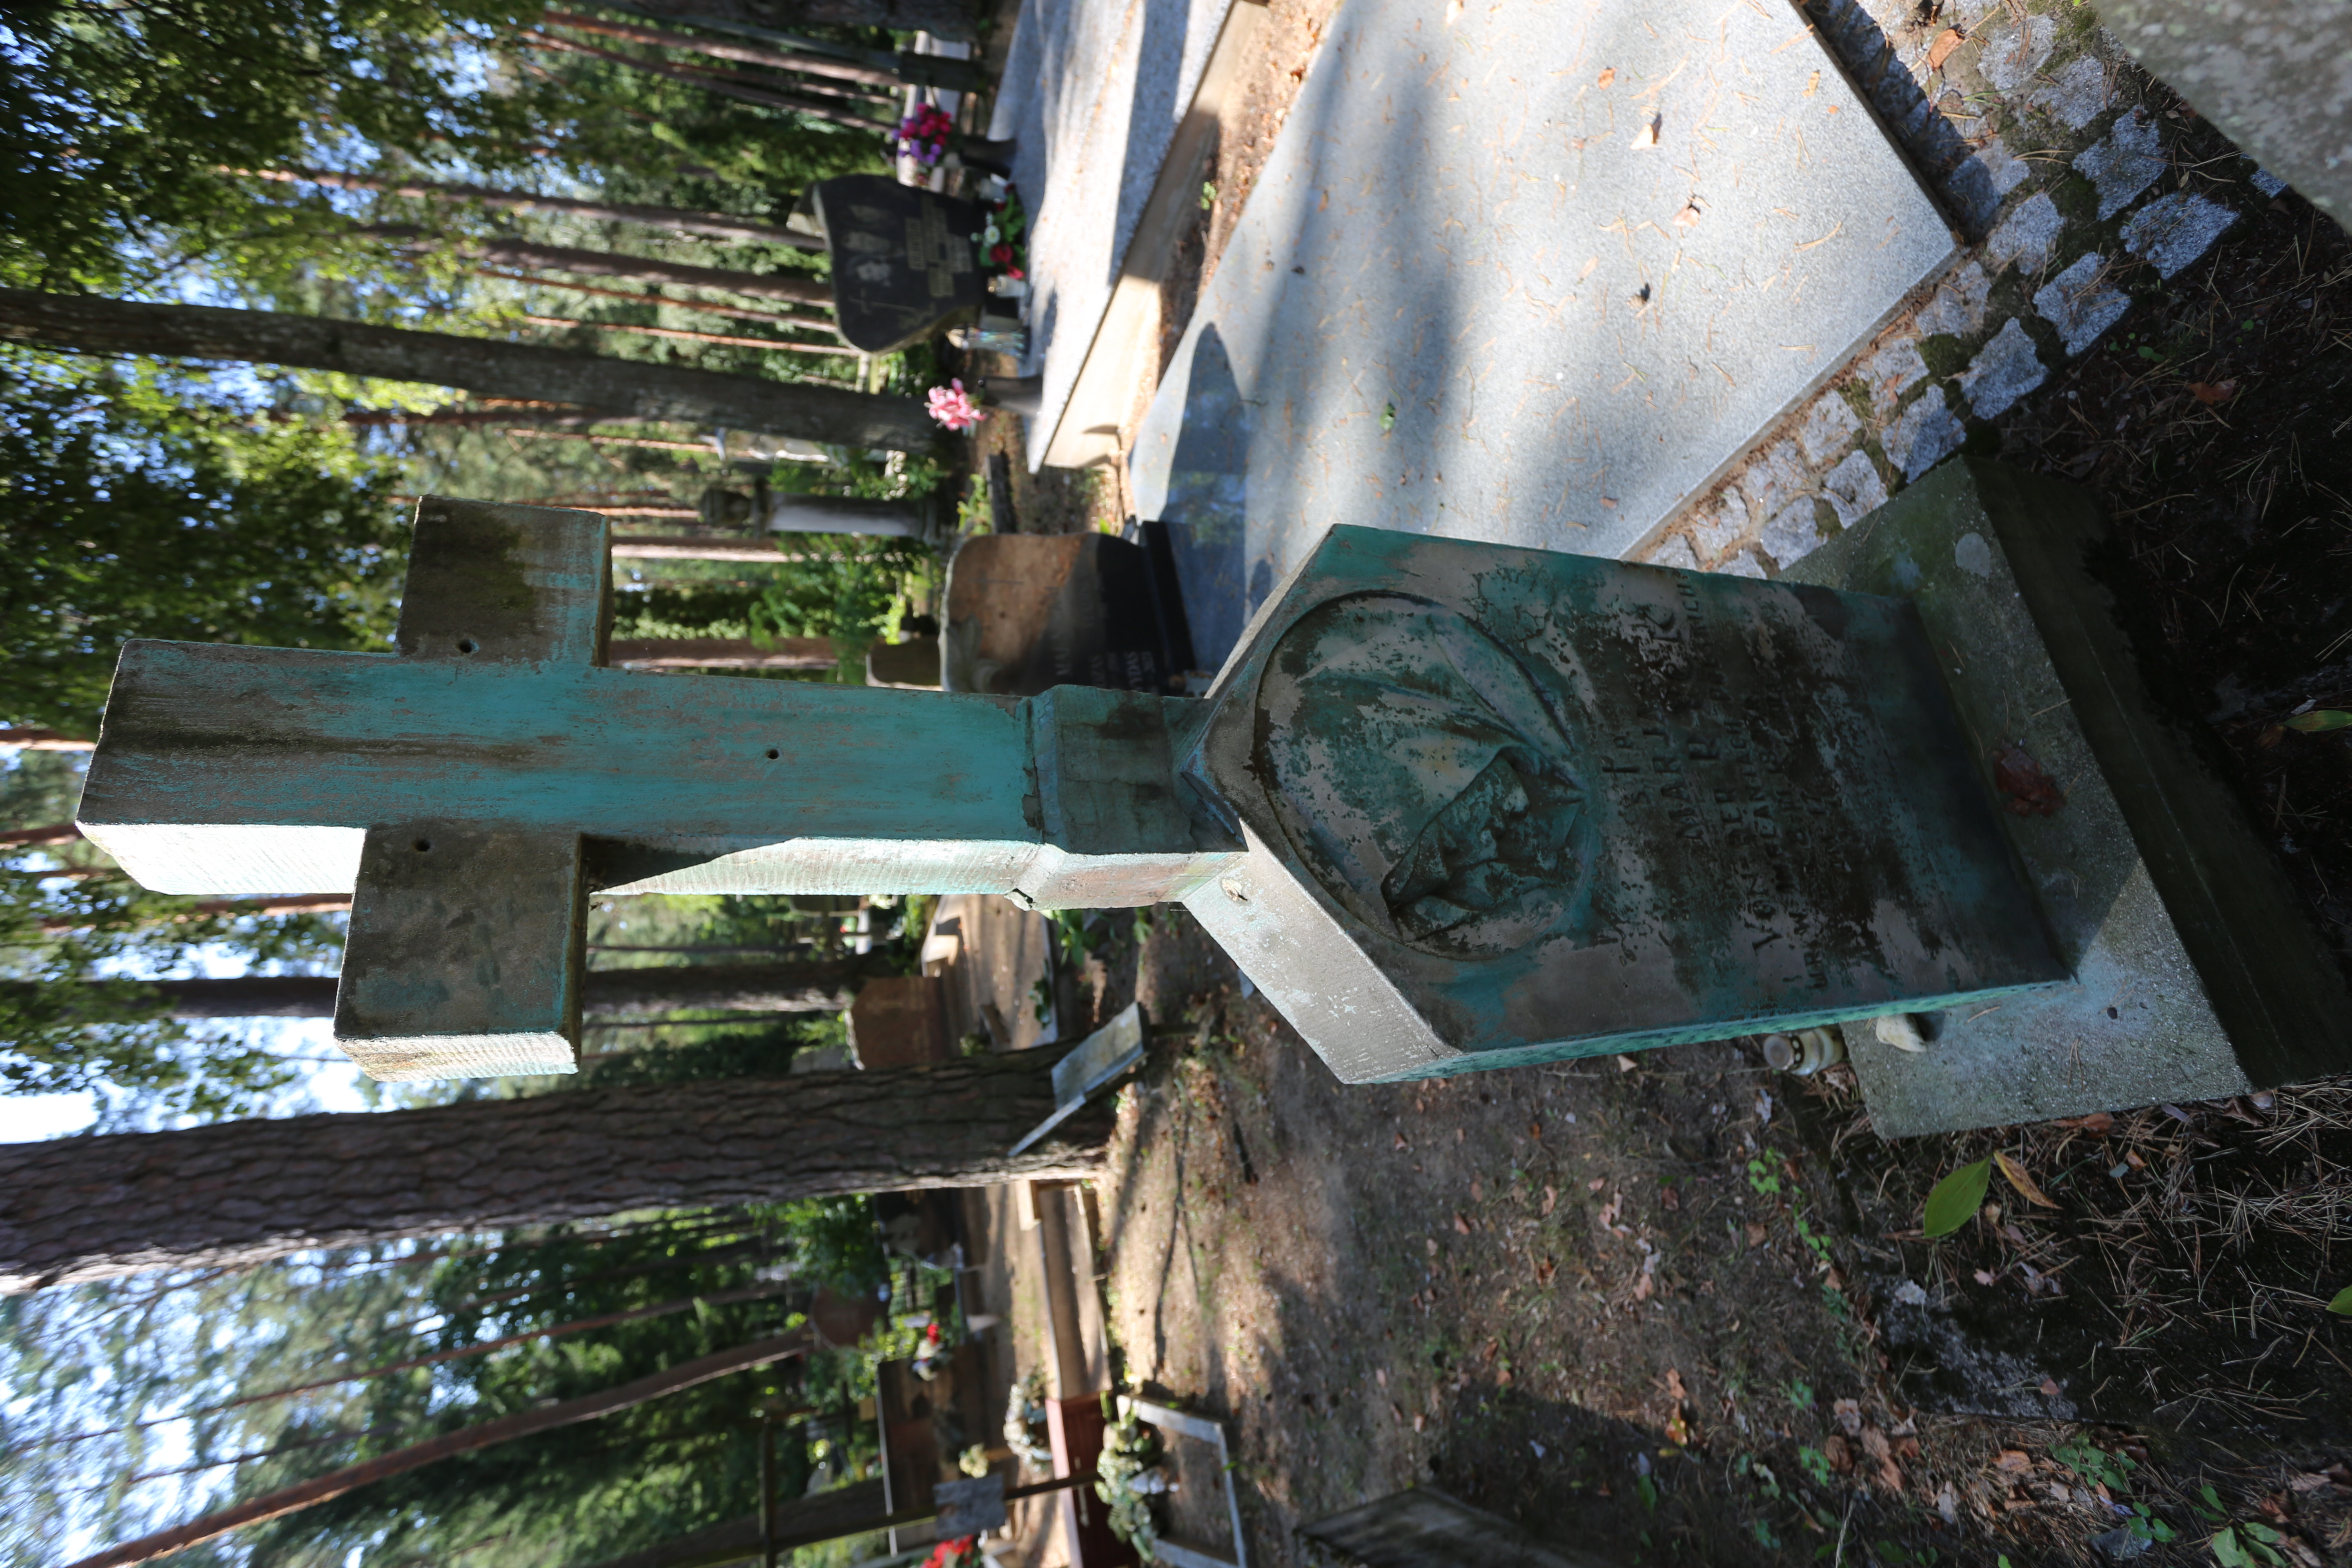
point(2125, 164)
point(1829, 426)
point(1718, 527)
point(1774, 477)
point(1795, 532)
point(2004, 370)
point(1959, 308)
point(2025, 236)
point(2077, 94)
point(2172, 231)
point(1853, 489)
point(1928, 433)
point(1743, 565)
point(2081, 304)
point(1893, 371)
point(2011, 56)
point(1677, 551)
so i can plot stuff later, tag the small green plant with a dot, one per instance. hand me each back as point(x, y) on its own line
point(1388, 417)
point(1956, 1199)
point(2342, 1305)
point(1800, 1394)
point(1208, 194)
point(1647, 1490)
point(1816, 1466)
point(1764, 1179)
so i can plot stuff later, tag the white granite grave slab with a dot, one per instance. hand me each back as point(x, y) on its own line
point(1533, 273)
point(1093, 92)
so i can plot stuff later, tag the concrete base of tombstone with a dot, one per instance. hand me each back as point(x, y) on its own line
point(2195, 974)
point(1504, 806)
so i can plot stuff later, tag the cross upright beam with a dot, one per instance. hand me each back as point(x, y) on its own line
point(472, 787)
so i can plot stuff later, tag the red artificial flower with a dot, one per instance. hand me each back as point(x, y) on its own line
point(1002, 255)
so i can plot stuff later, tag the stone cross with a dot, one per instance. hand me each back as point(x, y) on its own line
point(1450, 805)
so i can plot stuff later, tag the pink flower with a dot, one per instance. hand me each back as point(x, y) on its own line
point(953, 406)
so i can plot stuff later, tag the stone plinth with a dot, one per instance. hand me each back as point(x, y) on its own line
point(2195, 974)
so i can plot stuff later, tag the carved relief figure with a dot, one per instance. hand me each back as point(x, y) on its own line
point(1424, 771)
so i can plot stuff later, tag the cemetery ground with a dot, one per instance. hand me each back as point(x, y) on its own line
point(1683, 1310)
point(1673, 1308)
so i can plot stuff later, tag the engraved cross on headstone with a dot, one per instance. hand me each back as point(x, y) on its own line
point(1450, 805)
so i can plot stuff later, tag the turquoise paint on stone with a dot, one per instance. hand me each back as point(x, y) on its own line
point(1450, 805)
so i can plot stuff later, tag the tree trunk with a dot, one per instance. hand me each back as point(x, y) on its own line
point(819, 985)
point(746, 54)
point(43, 740)
point(238, 1192)
point(694, 547)
point(465, 1440)
point(799, 288)
point(48, 838)
point(618, 388)
point(649, 297)
point(291, 904)
point(723, 652)
point(941, 18)
point(715, 225)
point(720, 82)
point(679, 334)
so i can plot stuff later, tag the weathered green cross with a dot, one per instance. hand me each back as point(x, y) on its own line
point(1450, 805)
point(476, 786)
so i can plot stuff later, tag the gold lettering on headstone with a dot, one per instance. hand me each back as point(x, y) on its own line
point(935, 252)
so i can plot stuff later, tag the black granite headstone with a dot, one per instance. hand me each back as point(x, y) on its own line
point(903, 264)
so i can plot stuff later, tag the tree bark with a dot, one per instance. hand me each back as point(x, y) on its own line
point(941, 18)
point(821, 985)
point(723, 652)
point(647, 296)
point(238, 1192)
point(715, 225)
point(799, 288)
point(695, 547)
point(679, 334)
point(465, 1440)
point(718, 49)
point(617, 388)
point(48, 838)
point(290, 904)
point(720, 82)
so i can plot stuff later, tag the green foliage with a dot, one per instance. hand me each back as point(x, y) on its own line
point(130, 507)
point(118, 118)
point(62, 1030)
point(1955, 1200)
point(834, 1243)
point(2342, 1304)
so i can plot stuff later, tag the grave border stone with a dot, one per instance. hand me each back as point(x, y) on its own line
point(2195, 973)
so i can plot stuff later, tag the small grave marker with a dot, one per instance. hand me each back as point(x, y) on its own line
point(903, 264)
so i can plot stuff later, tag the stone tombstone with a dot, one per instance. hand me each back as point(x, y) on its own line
point(1503, 806)
point(904, 261)
point(901, 1020)
point(1450, 805)
point(1026, 612)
